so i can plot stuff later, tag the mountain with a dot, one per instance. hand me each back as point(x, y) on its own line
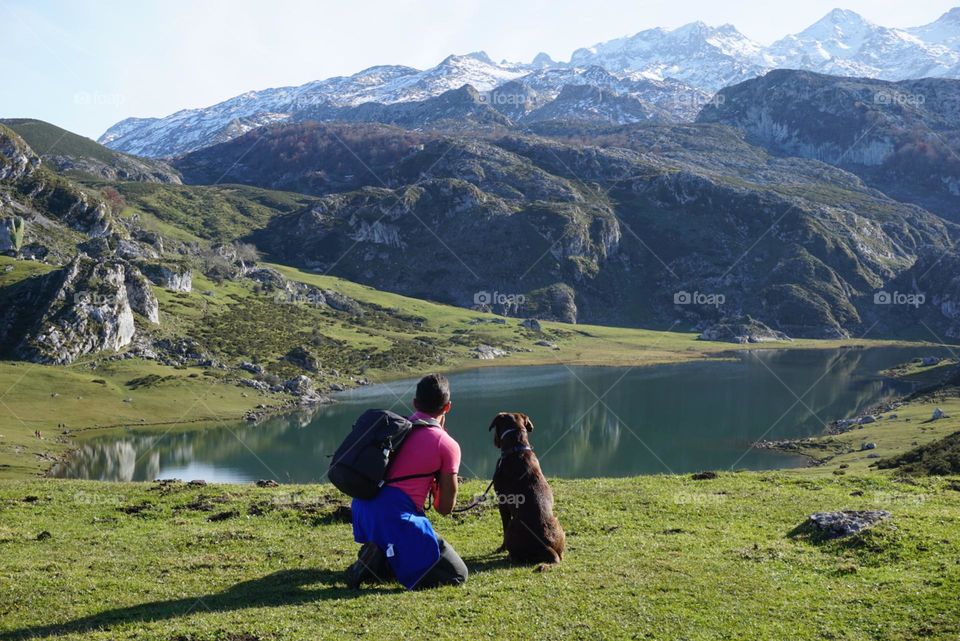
point(944, 31)
point(192, 129)
point(699, 55)
point(611, 227)
point(83, 158)
point(586, 102)
point(900, 137)
point(844, 43)
point(677, 71)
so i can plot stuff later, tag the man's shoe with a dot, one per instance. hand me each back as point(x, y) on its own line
point(363, 569)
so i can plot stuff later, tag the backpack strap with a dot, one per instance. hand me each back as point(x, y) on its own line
point(416, 424)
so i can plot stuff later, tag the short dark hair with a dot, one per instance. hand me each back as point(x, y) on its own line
point(433, 392)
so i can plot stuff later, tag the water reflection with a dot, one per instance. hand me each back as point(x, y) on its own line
point(589, 421)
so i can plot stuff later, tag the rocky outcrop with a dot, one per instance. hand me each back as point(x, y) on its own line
point(17, 160)
point(171, 276)
point(84, 308)
point(741, 331)
point(141, 297)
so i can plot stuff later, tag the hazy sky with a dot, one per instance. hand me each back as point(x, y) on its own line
point(86, 65)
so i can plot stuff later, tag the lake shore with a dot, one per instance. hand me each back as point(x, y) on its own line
point(289, 407)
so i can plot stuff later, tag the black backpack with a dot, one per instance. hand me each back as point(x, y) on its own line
point(359, 466)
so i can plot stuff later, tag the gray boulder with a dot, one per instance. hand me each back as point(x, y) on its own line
point(488, 352)
point(532, 324)
point(846, 522)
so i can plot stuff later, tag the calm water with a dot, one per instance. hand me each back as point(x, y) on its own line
point(589, 421)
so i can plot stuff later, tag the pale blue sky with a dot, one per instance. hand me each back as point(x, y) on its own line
point(86, 65)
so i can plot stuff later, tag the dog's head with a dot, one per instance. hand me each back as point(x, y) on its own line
point(512, 426)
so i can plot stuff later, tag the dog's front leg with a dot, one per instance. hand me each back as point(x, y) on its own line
point(505, 517)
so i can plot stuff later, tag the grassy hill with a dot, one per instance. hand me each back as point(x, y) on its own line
point(79, 157)
point(219, 213)
point(659, 557)
point(45, 138)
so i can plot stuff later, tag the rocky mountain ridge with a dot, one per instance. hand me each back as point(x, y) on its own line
point(675, 70)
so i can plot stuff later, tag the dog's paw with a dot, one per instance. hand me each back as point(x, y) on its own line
point(544, 567)
point(502, 548)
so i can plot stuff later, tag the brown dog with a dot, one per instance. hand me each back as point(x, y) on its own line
point(531, 532)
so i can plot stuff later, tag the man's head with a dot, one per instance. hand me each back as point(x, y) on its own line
point(433, 395)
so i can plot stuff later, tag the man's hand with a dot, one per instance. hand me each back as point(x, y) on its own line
point(447, 497)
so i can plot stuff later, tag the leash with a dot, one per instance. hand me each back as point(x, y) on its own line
point(483, 497)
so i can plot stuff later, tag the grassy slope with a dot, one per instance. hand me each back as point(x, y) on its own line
point(653, 557)
point(911, 427)
point(218, 213)
point(44, 138)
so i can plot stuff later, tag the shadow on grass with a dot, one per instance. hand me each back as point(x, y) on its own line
point(285, 588)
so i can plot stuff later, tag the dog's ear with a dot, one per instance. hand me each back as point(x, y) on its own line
point(527, 423)
point(496, 434)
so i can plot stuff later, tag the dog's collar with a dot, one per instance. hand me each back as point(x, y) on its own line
point(516, 449)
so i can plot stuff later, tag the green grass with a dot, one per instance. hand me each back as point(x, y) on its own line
point(911, 427)
point(61, 401)
point(217, 213)
point(45, 138)
point(655, 557)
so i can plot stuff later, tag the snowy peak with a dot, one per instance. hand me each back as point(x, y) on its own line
point(944, 31)
point(659, 70)
point(844, 43)
point(696, 53)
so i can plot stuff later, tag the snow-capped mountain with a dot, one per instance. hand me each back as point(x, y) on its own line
point(944, 31)
point(702, 56)
point(673, 72)
point(843, 43)
point(191, 129)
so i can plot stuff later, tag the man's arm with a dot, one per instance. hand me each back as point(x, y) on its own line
point(447, 497)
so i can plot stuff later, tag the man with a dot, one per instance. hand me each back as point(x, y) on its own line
point(398, 539)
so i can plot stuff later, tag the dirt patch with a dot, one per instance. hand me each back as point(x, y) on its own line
point(223, 516)
point(135, 509)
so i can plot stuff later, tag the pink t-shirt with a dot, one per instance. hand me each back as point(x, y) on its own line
point(425, 450)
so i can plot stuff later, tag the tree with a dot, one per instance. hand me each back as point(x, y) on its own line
point(16, 227)
point(114, 199)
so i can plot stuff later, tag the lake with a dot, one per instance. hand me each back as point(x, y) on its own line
point(589, 421)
